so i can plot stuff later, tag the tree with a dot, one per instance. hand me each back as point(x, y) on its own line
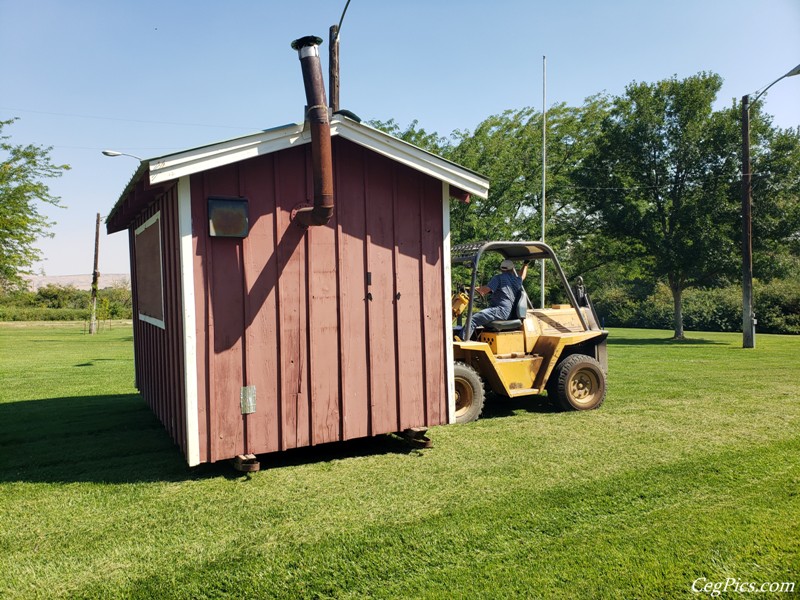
point(776, 199)
point(661, 180)
point(22, 189)
point(507, 148)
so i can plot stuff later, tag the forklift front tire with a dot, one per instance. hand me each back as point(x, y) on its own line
point(580, 383)
point(469, 393)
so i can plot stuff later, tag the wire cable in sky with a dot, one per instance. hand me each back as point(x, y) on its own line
point(96, 149)
point(339, 26)
point(57, 114)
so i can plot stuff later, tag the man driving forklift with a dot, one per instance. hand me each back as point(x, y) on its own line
point(504, 287)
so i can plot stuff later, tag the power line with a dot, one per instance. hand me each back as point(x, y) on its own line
point(663, 186)
point(339, 26)
point(58, 114)
point(93, 149)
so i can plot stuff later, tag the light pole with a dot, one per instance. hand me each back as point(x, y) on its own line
point(95, 272)
point(115, 153)
point(748, 316)
point(544, 169)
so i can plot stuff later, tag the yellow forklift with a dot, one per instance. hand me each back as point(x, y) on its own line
point(560, 349)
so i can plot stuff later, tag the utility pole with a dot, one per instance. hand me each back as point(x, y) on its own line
point(748, 316)
point(748, 321)
point(95, 278)
point(333, 61)
point(333, 67)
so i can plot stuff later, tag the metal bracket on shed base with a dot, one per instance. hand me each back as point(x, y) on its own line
point(416, 437)
point(246, 463)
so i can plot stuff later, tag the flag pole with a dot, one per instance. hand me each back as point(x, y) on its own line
point(544, 165)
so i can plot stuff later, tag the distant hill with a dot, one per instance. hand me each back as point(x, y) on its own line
point(82, 282)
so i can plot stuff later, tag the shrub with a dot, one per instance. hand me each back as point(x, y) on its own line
point(62, 296)
point(617, 307)
point(717, 309)
point(66, 303)
point(777, 307)
point(38, 313)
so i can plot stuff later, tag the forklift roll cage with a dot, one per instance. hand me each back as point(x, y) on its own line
point(470, 254)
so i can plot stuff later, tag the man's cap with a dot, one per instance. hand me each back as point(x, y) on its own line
point(507, 265)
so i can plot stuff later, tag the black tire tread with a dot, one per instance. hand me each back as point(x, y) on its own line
point(479, 395)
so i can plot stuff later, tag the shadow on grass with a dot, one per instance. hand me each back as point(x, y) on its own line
point(374, 446)
point(90, 363)
point(625, 341)
point(117, 439)
point(124, 340)
point(497, 407)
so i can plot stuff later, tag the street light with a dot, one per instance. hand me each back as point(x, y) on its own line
point(748, 316)
point(115, 153)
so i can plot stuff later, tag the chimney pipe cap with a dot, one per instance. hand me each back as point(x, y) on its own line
point(303, 42)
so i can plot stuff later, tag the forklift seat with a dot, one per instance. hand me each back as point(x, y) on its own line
point(520, 310)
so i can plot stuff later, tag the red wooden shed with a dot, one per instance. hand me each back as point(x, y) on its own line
point(253, 334)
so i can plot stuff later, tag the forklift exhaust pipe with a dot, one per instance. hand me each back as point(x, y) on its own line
point(317, 117)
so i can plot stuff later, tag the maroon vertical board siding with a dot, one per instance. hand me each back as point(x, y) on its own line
point(225, 349)
point(323, 333)
point(226, 316)
point(257, 184)
point(340, 328)
point(410, 348)
point(433, 317)
point(171, 350)
point(137, 360)
point(199, 238)
point(166, 390)
point(166, 393)
point(175, 336)
point(290, 169)
point(381, 292)
point(158, 352)
point(354, 344)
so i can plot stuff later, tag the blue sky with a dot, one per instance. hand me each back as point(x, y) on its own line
point(150, 77)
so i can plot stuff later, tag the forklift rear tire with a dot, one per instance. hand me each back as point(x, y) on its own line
point(580, 383)
point(469, 393)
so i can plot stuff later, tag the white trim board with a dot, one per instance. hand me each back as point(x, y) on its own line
point(448, 294)
point(184, 163)
point(192, 427)
point(187, 162)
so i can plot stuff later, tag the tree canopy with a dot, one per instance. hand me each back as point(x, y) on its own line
point(22, 189)
point(661, 177)
point(642, 188)
point(776, 199)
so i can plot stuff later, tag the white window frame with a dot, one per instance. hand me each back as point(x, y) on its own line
point(154, 220)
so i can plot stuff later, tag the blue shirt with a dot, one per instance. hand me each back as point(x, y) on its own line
point(504, 287)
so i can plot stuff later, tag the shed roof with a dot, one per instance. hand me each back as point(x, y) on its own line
point(142, 190)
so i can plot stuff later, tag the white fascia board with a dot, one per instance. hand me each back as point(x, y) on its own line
point(192, 424)
point(175, 166)
point(411, 156)
point(449, 375)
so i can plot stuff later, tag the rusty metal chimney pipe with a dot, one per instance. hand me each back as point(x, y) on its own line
point(317, 117)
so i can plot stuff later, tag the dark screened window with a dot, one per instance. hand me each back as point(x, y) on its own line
point(149, 284)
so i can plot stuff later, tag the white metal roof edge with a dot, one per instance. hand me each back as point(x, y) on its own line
point(174, 166)
point(411, 156)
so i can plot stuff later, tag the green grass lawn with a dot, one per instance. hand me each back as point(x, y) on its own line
point(689, 470)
